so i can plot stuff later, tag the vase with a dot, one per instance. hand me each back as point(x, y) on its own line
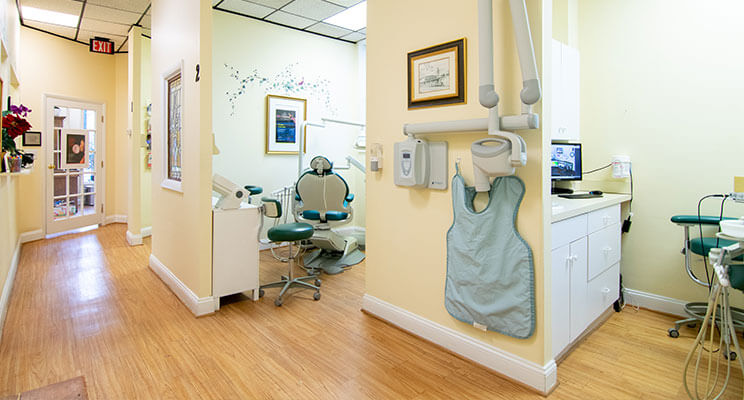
point(2, 161)
point(14, 164)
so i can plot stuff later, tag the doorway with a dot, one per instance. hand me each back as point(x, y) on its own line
point(75, 182)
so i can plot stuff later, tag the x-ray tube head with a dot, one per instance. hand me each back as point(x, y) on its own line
point(490, 160)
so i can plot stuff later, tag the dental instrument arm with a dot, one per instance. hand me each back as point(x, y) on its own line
point(530, 93)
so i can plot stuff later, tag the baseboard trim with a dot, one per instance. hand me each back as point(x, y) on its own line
point(8, 286)
point(146, 231)
point(115, 219)
point(198, 305)
point(655, 302)
point(134, 239)
point(542, 378)
point(30, 236)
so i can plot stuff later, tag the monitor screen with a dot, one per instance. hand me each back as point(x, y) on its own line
point(565, 161)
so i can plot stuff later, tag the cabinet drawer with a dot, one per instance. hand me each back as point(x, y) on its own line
point(602, 292)
point(603, 218)
point(604, 250)
point(567, 231)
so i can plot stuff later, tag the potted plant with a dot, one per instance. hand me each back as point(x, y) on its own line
point(14, 124)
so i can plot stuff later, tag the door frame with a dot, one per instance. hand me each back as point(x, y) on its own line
point(47, 100)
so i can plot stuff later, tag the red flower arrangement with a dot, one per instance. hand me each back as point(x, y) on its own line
point(13, 125)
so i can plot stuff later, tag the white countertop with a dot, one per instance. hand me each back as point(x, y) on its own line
point(567, 208)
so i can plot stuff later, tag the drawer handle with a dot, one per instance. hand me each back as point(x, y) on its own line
point(607, 250)
point(606, 290)
point(606, 219)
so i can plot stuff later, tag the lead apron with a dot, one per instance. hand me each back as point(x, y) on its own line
point(490, 273)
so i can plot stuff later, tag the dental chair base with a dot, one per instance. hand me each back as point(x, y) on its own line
point(327, 258)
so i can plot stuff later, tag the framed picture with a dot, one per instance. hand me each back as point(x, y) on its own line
point(31, 138)
point(436, 75)
point(74, 148)
point(284, 118)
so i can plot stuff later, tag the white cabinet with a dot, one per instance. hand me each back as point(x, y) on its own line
point(565, 93)
point(585, 272)
point(235, 251)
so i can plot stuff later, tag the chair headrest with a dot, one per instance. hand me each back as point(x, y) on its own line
point(321, 165)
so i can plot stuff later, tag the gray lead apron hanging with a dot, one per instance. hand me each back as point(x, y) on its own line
point(490, 272)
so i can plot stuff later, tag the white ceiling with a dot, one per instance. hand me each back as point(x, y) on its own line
point(113, 19)
point(304, 15)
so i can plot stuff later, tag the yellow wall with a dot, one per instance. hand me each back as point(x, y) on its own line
point(79, 74)
point(241, 135)
point(182, 222)
point(406, 228)
point(668, 94)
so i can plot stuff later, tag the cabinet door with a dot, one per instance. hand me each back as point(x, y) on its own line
point(561, 289)
point(579, 318)
point(558, 121)
point(571, 86)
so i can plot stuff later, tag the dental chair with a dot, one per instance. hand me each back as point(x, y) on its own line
point(700, 246)
point(322, 199)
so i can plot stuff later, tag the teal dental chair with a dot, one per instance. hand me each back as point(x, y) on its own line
point(322, 199)
point(293, 233)
point(701, 246)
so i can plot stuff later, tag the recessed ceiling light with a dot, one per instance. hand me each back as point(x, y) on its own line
point(354, 18)
point(50, 17)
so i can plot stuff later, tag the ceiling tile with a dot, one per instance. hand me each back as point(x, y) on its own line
point(63, 6)
point(85, 36)
point(110, 14)
point(345, 3)
point(56, 29)
point(272, 3)
point(147, 21)
point(363, 30)
point(328, 30)
point(215, 2)
point(137, 6)
point(354, 37)
point(315, 9)
point(295, 21)
point(109, 28)
point(246, 8)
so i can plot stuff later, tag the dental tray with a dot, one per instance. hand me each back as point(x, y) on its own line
point(733, 228)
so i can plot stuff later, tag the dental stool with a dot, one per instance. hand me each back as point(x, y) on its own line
point(293, 233)
point(701, 246)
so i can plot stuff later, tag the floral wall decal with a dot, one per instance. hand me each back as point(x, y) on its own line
point(287, 82)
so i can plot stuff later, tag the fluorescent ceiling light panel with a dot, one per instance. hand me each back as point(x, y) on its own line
point(50, 17)
point(353, 18)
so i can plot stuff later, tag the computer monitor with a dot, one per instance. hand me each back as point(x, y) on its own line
point(565, 161)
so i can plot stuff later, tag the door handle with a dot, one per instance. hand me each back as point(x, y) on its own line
point(50, 166)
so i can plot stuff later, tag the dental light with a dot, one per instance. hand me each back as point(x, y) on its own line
point(231, 195)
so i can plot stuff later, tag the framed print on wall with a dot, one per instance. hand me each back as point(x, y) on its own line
point(31, 138)
point(74, 148)
point(437, 75)
point(284, 118)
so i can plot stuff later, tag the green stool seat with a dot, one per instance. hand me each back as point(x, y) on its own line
point(291, 232)
point(253, 189)
point(693, 219)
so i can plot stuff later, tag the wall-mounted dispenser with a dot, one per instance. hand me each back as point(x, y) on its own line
point(375, 157)
point(421, 164)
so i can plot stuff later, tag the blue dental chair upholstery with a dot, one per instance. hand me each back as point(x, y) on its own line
point(322, 199)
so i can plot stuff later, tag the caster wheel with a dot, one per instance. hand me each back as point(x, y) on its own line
point(317, 282)
point(673, 333)
point(616, 306)
point(316, 296)
point(260, 293)
point(731, 356)
point(278, 302)
point(691, 325)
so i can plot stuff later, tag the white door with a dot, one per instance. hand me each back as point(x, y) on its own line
point(561, 294)
point(74, 179)
point(579, 308)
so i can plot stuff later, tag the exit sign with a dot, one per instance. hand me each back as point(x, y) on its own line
point(101, 45)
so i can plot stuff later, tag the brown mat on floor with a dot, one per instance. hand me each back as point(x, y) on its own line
point(73, 389)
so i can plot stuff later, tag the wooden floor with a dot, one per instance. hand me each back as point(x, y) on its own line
point(87, 304)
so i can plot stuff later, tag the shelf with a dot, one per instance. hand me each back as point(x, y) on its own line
point(23, 172)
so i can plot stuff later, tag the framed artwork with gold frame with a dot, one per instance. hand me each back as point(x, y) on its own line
point(284, 119)
point(437, 75)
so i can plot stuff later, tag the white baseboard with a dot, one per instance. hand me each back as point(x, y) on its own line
point(134, 239)
point(8, 287)
point(146, 231)
point(540, 377)
point(115, 219)
point(198, 305)
point(30, 236)
point(655, 302)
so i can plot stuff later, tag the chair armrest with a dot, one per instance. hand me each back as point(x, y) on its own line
point(693, 219)
point(253, 189)
point(272, 208)
point(350, 198)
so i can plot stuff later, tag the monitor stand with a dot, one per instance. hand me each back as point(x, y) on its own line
point(557, 190)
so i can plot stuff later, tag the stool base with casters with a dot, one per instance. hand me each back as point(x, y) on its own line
point(292, 233)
